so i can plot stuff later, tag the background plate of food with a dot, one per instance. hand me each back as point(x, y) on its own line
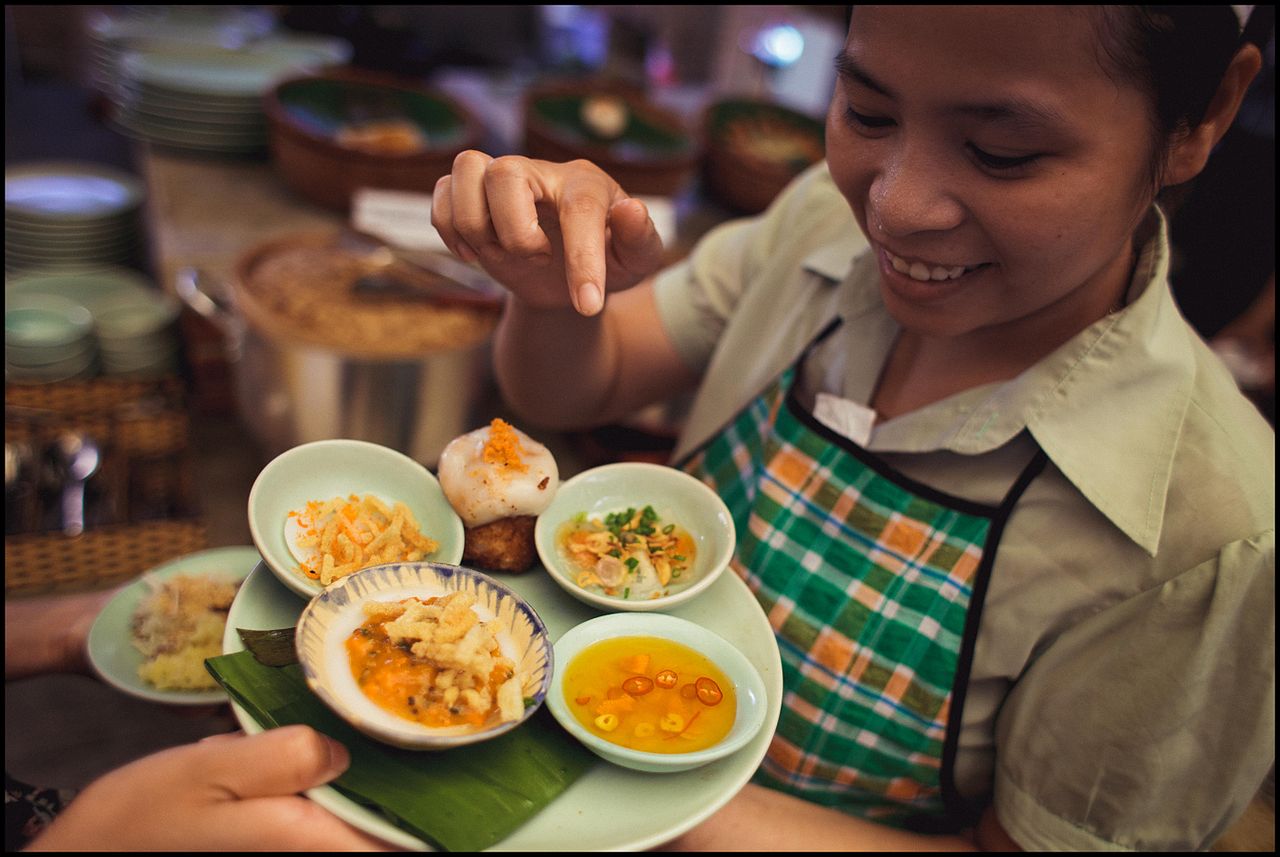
point(151, 638)
point(608, 807)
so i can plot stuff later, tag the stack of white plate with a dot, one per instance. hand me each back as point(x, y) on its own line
point(47, 338)
point(70, 215)
point(112, 32)
point(132, 323)
point(209, 99)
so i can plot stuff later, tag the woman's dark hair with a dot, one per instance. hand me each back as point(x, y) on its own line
point(1176, 54)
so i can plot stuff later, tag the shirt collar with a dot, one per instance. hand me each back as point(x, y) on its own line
point(834, 259)
point(1107, 407)
point(1112, 416)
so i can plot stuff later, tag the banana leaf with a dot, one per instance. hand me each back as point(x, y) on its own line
point(465, 799)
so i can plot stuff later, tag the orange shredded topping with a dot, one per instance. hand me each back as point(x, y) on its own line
point(503, 447)
point(346, 535)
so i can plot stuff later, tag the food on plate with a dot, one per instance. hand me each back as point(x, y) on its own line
point(345, 534)
point(605, 115)
point(177, 626)
point(650, 694)
point(498, 480)
point(383, 137)
point(769, 138)
point(633, 554)
point(433, 660)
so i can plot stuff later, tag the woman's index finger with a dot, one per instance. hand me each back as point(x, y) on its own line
point(583, 219)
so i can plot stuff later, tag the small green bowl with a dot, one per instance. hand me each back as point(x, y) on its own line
point(125, 318)
point(46, 321)
point(675, 496)
point(325, 469)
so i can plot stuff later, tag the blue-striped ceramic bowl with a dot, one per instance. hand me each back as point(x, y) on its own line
point(330, 618)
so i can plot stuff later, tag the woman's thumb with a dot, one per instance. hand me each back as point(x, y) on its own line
point(636, 242)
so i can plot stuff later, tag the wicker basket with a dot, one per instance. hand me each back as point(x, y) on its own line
point(41, 563)
point(143, 428)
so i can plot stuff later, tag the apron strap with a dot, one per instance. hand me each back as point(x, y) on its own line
point(962, 812)
point(1033, 469)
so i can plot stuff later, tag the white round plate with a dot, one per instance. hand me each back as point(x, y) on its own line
point(69, 191)
point(608, 808)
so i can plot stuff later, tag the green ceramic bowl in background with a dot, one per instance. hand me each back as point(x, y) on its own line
point(754, 148)
point(323, 105)
point(46, 321)
point(305, 114)
point(325, 469)
point(677, 498)
point(654, 152)
point(88, 288)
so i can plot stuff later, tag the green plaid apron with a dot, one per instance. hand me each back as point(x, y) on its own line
point(874, 587)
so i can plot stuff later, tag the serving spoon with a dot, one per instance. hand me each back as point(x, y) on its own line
point(397, 273)
point(81, 457)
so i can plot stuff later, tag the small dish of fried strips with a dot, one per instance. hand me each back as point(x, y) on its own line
point(333, 538)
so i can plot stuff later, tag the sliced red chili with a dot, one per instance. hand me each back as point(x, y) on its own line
point(638, 685)
point(666, 679)
point(688, 691)
point(708, 691)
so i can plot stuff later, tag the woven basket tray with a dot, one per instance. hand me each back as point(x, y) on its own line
point(144, 429)
point(37, 564)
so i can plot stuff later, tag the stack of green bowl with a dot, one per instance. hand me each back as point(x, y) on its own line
point(47, 338)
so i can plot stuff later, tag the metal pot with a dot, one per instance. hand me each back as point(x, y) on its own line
point(291, 392)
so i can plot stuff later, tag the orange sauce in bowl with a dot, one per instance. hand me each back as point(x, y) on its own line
point(650, 694)
point(398, 681)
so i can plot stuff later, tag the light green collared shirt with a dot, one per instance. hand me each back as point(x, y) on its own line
point(1122, 694)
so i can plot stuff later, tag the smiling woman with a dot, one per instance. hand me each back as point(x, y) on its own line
point(988, 162)
point(1011, 522)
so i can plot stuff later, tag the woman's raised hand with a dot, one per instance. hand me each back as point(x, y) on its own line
point(556, 235)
